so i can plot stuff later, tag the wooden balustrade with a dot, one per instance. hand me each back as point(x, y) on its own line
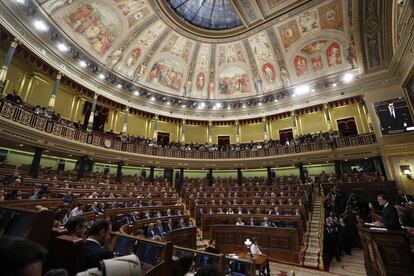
point(26, 117)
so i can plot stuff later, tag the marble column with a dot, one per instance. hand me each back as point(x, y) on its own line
point(237, 124)
point(183, 130)
point(52, 100)
point(265, 129)
point(327, 114)
point(210, 132)
point(92, 115)
point(6, 63)
point(125, 126)
point(154, 127)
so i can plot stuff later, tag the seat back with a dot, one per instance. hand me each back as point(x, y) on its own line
point(66, 252)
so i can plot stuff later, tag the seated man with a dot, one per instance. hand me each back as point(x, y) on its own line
point(98, 236)
point(181, 224)
point(76, 227)
point(13, 97)
point(239, 222)
point(20, 257)
point(266, 223)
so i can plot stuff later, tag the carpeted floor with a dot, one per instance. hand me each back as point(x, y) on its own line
point(349, 266)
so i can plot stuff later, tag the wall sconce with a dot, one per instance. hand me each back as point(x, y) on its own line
point(408, 174)
point(406, 170)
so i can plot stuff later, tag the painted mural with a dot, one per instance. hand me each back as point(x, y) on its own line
point(201, 71)
point(129, 38)
point(96, 25)
point(289, 33)
point(126, 59)
point(234, 80)
point(166, 73)
point(331, 16)
point(230, 53)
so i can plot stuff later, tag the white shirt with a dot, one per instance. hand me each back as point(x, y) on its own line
point(255, 250)
point(240, 223)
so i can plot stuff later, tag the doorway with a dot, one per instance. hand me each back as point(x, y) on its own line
point(347, 127)
point(223, 142)
point(163, 138)
point(285, 135)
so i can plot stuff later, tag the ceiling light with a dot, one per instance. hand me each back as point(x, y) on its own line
point(101, 76)
point(276, 100)
point(334, 84)
point(152, 98)
point(22, 2)
point(201, 105)
point(218, 105)
point(82, 63)
point(119, 85)
point(20, 145)
point(136, 93)
point(348, 77)
point(303, 89)
point(168, 103)
point(40, 25)
point(228, 107)
point(260, 103)
point(63, 47)
point(244, 105)
point(183, 106)
point(313, 90)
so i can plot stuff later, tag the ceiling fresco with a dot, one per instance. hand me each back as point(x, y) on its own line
point(129, 38)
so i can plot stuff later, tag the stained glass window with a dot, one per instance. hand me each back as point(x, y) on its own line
point(208, 14)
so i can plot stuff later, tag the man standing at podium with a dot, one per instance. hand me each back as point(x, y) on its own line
point(390, 218)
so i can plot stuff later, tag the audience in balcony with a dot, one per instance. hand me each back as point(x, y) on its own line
point(13, 97)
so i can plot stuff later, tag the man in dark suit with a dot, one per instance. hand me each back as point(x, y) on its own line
point(169, 226)
point(405, 199)
point(181, 224)
point(98, 236)
point(390, 219)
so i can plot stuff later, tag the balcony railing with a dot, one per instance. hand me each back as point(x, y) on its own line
point(26, 117)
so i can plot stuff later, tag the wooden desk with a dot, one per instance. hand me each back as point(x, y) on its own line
point(280, 244)
point(208, 220)
point(386, 252)
point(261, 261)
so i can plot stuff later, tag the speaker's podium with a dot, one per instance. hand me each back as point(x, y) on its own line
point(387, 252)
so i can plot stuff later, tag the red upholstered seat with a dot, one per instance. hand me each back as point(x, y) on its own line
point(66, 252)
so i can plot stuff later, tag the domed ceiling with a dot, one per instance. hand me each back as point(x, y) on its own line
point(279, 43)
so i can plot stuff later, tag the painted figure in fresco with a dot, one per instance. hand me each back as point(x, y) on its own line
point(301, 66)
point(258, 84)
point(317, 63)
point(141, 71)
point(210, 90)
point(351, 56)
point(284, 77)
point(115, 57)
point(133, 57)
point(187, 88)
point(333, 54)
point(200, 81)
point(269, 72)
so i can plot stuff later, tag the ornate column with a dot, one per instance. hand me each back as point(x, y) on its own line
point(6, 63)
point(52, 100)
point(183, 129)
point(367, 115)
point(210, 132)
point(34, 168)
point(92, 115)
point(154, 127)
point(265, 129)
point(327, 114)
point(125, 126)
point(294, 123)
point(237, 124)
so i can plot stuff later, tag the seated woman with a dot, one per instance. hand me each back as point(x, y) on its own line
point(254, 248)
